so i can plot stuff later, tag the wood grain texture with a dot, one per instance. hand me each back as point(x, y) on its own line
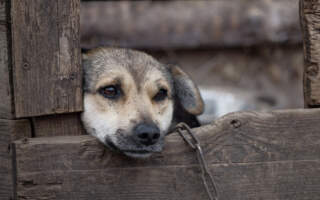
point(5, 88)
point(9, 130)
point(310, 25)
point(3, 11)
point(278, 181)
point(58, 125)
point(18, 129)
point(5, 162)
point(189, 24)
point(273, 155)
point(47, 73)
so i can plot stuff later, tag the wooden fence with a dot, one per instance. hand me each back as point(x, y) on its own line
point(44, 153)
point(190, 24)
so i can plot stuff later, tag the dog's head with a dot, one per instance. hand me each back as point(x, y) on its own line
point(130, 98)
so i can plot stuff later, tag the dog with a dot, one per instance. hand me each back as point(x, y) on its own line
point(132, 101)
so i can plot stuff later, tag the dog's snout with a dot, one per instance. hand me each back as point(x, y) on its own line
point(146, 134)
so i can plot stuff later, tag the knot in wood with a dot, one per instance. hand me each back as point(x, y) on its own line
point(26, 66)
point(235, 123)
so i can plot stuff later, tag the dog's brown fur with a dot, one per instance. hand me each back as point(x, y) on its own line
point(139, 80)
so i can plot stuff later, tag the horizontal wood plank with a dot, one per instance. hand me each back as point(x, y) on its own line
point(58, 125)
point(235, 138)
point(189, 24)
point(47, 72)
point(278, 180)
point(310, 24)
point(272, 155)
point(9, 130)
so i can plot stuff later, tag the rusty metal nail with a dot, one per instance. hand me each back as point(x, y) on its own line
point(235, 123)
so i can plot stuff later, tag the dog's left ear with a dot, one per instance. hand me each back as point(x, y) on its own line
point(186, 91)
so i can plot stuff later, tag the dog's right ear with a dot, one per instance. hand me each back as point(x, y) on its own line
point(186, 91)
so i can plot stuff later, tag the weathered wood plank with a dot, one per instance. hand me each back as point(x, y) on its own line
point(17, 129)
point(5, 163)
point(70, 54)
point(239, 137)
point(5, 88)
point(310, 25)
point(3, 11)
point(272, 155)
point(189, 24)
point(47, 66)
point(277, 180)
point(58, 125)
point(9, 130)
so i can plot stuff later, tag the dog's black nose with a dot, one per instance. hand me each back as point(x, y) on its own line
point(147, 134)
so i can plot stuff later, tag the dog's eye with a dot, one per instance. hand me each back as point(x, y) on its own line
point(111, 92)
point(161, 95)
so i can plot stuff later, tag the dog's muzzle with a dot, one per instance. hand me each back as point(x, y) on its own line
point(143, 140)
point(146, 134)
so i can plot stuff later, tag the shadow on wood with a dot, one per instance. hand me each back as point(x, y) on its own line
point(272, 155)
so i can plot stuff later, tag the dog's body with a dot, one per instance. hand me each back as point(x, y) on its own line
point(131, 100)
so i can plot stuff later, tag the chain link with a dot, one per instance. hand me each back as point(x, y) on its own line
point(194, 143)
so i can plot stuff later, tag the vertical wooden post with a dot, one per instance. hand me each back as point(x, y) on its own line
point(310, 25)
point(6, 108)
point(40, 72)
point(6, 111)
point(47, 73)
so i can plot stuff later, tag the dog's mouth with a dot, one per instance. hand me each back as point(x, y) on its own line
point(136, 152)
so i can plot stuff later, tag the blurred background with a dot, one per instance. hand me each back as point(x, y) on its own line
point(243, 54)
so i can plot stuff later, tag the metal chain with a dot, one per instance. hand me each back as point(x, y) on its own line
point(194, 143)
